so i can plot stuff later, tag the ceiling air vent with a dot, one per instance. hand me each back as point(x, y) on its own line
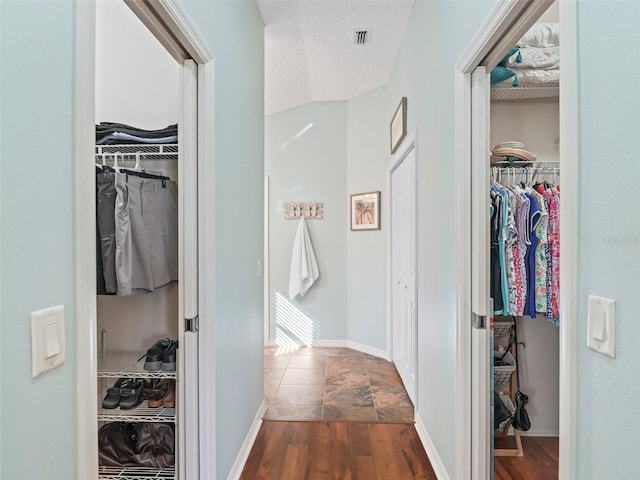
point(362, 36)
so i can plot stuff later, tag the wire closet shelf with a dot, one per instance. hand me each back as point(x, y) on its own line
point(135, 151)
point(135, 473)
point(541, 170)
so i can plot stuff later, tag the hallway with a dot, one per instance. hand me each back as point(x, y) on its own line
point(337, 450)
point(333, 384)
point(340, 413)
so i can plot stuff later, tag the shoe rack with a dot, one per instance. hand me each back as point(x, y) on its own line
point(123, 364)
point(116, 364)
point(504, 383)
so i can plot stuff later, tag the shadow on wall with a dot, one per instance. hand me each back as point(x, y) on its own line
point(293, 327)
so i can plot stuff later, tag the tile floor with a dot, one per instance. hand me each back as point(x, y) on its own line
point(332, 384)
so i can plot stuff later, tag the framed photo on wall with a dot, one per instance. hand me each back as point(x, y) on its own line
point(398, 127)
point(365, 211)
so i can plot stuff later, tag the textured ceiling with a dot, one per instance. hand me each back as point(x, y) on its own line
point(310, 54)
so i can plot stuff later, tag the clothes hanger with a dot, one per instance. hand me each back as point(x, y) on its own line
point(143, 174)
point(116, 167)
point(103, 166)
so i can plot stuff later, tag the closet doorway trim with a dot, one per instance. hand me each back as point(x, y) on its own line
point(173, 23)
point(506, 24)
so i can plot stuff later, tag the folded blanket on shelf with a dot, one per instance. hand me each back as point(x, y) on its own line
point(541, 35)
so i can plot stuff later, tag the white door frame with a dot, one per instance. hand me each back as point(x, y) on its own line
point(480, 276)
point(409, 143)
point(167, 21)
point(509, 20)
point(266, 270)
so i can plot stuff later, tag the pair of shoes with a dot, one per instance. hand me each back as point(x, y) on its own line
point(161, 356)
point(163, 393)
point(126, 393)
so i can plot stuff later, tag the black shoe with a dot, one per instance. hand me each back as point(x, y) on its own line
point(112, 398)
point(154, 358)
point(169, 357)
point(131, 396)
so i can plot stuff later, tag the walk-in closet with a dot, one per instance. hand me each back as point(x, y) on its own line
point(525, 248)
point(137, 186)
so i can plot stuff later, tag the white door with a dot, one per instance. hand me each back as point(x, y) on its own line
point(188, 390)
point(403, 269)
point(481, 384)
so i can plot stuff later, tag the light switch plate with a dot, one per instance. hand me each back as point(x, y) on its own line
point(601, 325)
point(47, 340)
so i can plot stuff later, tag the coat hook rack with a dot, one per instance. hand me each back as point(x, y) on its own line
point(306, 210)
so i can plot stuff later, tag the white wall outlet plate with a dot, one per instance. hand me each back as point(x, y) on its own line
point(47, 340)
point(601, 325)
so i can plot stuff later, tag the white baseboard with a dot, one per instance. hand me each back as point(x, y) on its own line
point(430, 448)
point(541, 433)
point(243, 454)
point(376, 352)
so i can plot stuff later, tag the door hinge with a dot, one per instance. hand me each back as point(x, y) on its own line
point(192, 324)
point(478, 321)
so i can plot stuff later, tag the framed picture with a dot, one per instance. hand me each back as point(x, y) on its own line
point(365, 211)
point(398, 127)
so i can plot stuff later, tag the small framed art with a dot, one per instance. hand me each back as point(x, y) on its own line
point(398, 127)
point(365, 211)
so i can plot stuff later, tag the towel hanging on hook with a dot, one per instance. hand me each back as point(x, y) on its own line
point(304, 267)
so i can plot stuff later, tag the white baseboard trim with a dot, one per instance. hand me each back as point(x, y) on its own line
point(243, 454)
point(376, 352)
point(541, 433)
point(430, 448)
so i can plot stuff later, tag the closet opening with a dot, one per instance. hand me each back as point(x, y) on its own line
point(138, 196)
point(519, 346)
point(525, 250)
point(140, 117)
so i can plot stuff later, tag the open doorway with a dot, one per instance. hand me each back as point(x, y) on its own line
point(526, 336)
point(173, 303)
point(519, 121)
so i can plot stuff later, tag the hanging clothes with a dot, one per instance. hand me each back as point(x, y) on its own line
point(105, 215)
point(137, 227)
point(525, 250)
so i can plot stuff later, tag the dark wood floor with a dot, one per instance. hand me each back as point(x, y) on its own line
point(337, 451)
point(540, 461)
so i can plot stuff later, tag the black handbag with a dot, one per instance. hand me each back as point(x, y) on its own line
point(520, 417)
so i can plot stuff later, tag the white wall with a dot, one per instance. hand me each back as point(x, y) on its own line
point(552, 14)
point(537, 126)
point(305, 158)
point(235, 32)
point(609, 236)
point(137, 83)
point(37, 252)
point(367, 171)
